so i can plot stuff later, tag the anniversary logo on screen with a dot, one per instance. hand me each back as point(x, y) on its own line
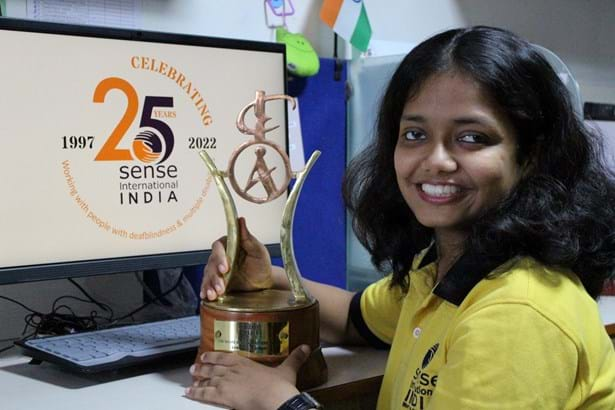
point(138, 159)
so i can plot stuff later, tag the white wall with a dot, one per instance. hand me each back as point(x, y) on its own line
point(242, 19)
point(580, 32)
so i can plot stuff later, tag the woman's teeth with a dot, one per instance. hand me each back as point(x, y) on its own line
point(440, 190)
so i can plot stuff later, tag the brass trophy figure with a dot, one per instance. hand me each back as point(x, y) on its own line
point(264, 325)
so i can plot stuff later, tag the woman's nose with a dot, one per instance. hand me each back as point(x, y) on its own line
point(439, 160)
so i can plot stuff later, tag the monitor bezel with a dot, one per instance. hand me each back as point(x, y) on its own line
point(95, 267)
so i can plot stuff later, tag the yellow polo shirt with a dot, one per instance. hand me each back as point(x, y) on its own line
point(529, 338)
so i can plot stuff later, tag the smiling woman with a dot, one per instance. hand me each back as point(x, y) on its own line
point(482, 171)
point(485, 197)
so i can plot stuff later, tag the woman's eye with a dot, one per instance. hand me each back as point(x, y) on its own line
point(413, 135)
point(473, 139)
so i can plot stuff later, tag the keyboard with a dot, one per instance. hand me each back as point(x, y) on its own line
point(114, 348)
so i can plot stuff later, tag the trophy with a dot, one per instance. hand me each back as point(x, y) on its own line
point(264, 325)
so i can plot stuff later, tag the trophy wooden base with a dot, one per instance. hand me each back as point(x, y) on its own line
point(265, 326)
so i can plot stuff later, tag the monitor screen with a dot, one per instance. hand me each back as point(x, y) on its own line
point(100, 133)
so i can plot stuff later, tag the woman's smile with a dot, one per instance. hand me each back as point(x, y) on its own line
point(439, 193)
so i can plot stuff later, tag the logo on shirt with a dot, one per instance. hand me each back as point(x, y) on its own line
point(429, 355)
point(423, 383)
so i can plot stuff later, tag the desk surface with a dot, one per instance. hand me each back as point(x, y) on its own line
point(46, 386)
point(607, 312)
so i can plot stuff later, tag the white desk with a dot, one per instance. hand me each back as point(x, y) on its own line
point(607, 312)
point(607, 309)
point(47, 387)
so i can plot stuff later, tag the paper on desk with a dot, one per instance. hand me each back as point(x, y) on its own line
point(119, 13)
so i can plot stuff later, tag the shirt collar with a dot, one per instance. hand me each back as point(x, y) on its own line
point(463, 275)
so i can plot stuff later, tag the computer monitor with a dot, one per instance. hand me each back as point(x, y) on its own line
point(100, 131)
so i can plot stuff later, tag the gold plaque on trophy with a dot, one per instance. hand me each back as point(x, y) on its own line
point(263, 325)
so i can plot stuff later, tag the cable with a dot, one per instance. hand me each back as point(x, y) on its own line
point(18, 303)
point(146, 288)
point(4, 349)
point(103, 306)
point(58, 323)
point(143, 306)
point(94, 312)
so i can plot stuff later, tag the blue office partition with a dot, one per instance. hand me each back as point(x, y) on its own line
point(319, 226)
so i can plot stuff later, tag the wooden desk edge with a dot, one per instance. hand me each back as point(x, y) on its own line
point(347, 390)
point(610, 329)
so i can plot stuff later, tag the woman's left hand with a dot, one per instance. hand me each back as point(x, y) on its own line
point(231, 380)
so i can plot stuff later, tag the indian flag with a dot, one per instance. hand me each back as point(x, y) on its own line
point(348, 19)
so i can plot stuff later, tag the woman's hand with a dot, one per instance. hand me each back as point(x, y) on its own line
point(253, 266)
point(237, 382)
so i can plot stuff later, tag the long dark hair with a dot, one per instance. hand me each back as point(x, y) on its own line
point(561, 212)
